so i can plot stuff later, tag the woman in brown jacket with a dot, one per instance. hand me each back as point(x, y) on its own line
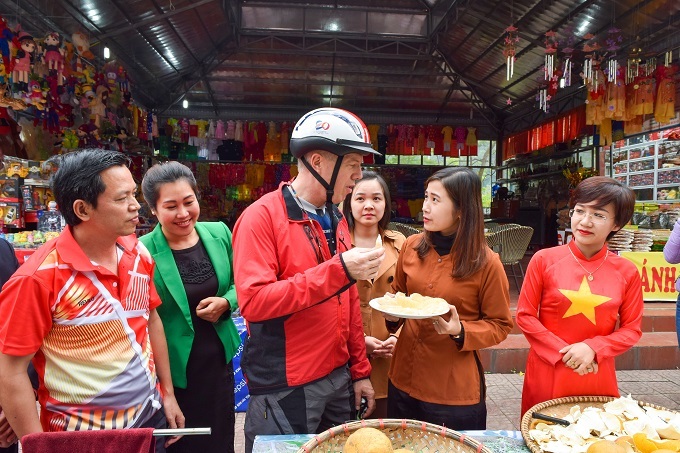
point(367, 216)
point(436, 373)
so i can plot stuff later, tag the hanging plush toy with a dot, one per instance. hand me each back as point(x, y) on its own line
point(70, 140)
point(35, 95)
point(111, 75)
point(6, 36)
point(23, 61)
point(54, 55)
point(123, 83)
point(98, 105)
point(82, 45)
point(3, 72)
point(70, 61)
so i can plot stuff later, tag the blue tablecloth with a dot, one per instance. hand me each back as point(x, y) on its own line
point(499, 441)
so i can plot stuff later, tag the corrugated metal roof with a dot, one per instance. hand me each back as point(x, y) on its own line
point(414, 59)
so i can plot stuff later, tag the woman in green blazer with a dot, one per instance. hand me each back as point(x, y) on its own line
point(194, 280)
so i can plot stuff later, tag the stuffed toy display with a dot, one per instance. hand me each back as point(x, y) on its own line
point(23, 61)
point(54, 55)
point(82, 45)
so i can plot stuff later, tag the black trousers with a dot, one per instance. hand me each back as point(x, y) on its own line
point(402, 405)
point(158, 421)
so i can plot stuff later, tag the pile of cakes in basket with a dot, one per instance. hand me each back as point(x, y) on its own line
point(621, 425)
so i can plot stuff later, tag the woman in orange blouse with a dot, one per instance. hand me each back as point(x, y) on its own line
point(436, 373)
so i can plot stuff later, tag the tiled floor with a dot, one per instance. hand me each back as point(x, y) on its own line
point(504, 393)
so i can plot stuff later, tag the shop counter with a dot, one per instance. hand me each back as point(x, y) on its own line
point(497, 441)
point(658, 276)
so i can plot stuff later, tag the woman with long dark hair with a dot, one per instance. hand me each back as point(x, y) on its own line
point(368, 216)
point(436, 372)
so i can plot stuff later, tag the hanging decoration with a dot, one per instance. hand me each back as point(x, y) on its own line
point(550, 53)
point(510, 50)
point(592, 62)
point(568, 54)
point(543, 98)
point(633, 63)
point(613, 42)
point(650, 65)
point(668, 55)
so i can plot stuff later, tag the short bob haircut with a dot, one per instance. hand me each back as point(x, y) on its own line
point(387, 215)
point(603, 190)
point(78, 177)
point(469, 250)
point(165, 173)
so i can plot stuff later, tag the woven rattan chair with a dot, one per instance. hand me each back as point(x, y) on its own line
point(406, 230)
point(511, 245)
point(502, 227)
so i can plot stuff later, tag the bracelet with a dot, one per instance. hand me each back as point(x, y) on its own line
point(393, 335)
point(460, 334)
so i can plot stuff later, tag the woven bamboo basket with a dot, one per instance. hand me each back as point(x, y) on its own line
point(412, 435)
point(559, 408)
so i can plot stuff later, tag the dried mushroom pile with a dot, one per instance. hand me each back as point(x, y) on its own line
point(628, 426)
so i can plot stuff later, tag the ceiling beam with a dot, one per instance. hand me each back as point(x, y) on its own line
point(649, 32)
point(329, 53)
point(479, 24)
point(190, 52)
point(154, 19)
point(152, 45)
point(444, 21)
point(502, 26)
point(396, 98)
point(482, 106)
point(130, 61)
point(573, 13)
point(339, 35)
point(428, 113)
point(208, 62)
point(271, 81)
point(331, 6)
point(238, 65)
point(500, 38)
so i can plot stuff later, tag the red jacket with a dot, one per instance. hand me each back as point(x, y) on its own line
point(301, 306)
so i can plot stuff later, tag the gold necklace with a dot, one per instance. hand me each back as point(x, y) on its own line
point(590, 274)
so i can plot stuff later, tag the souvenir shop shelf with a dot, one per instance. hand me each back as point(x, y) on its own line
point(650, 165)
point(532, 167)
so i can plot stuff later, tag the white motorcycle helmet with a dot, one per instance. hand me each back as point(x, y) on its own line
point(338, 132)
point(330, 129)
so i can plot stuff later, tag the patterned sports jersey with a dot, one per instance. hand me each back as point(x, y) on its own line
point(88, 329)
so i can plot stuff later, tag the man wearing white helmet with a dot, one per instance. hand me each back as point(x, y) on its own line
point(305, 357)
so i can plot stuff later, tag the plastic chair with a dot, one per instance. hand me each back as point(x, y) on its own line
point(511, 245)
point(406, 230)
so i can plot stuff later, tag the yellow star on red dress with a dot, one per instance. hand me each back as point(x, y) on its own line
point(583, 301)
